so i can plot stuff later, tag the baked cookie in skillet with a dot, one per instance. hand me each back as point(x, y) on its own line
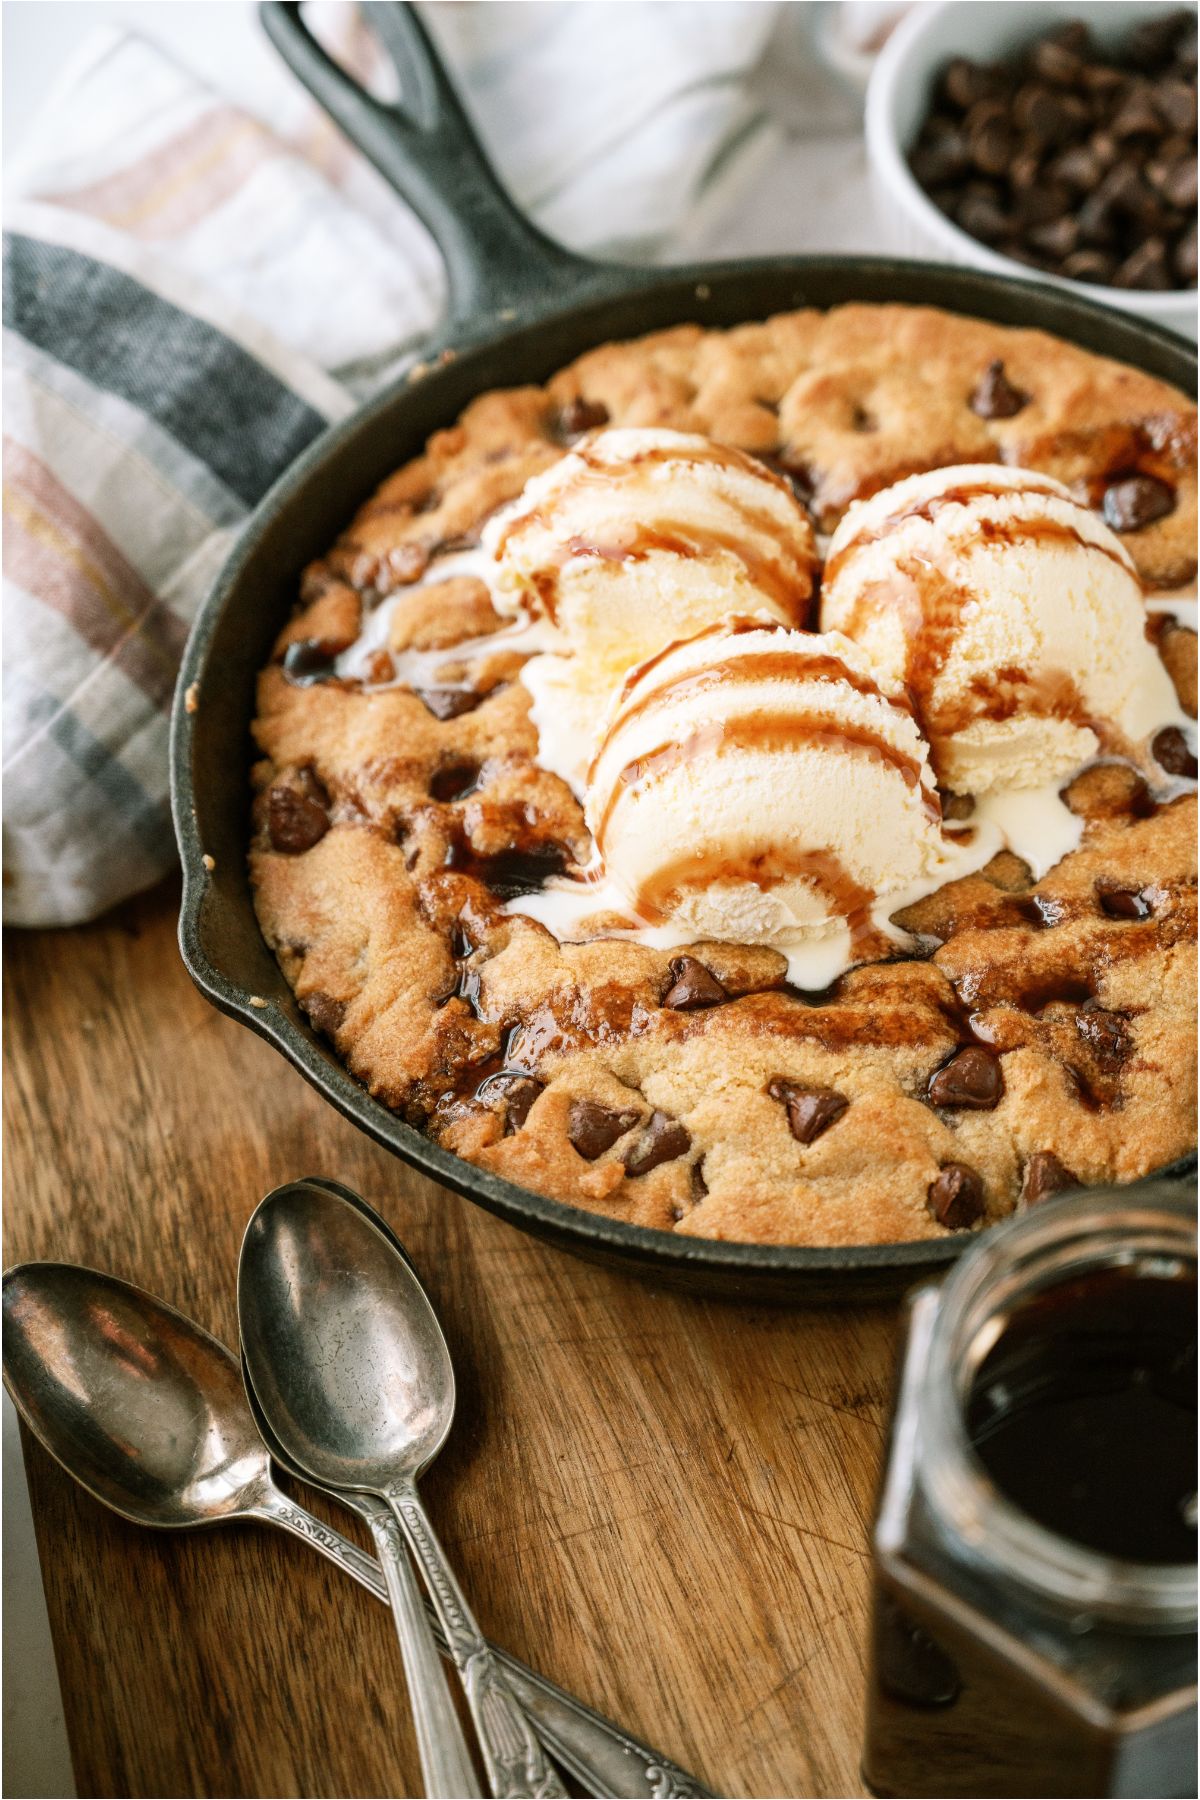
point(1042, 1033)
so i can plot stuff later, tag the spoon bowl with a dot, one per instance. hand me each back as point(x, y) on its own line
point(348, 1365)
point(137, 1402)
point(345, 1353)
point(352, 1375)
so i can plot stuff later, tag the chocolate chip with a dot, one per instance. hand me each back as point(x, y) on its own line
point(449, 703)
point(1043, 203)
point(972, 1078)
point(810, 1110)
point(518, 1101)
point(942, 160)
point(1124, 903)
point(310, 660)
point(1152, 42)
point(509, 873)
point(663, 1140)
point(1057, 239)
point(1137, 116)
point(1073, 34)
point(1176, 182)
point(1100, 81)
point(982, 217)
point(1145, 268)
point(1096, 266)
point(1045, 1175)
point(1077, 167)
point(577, 416)
point(1056, 62)
point(1123, 189)
point(1176, 103)
point(1097, 221)
point(1047, 115)
point(325, 1013)
point(989, 138)
point(995, 397)
point(1043, 914)
point(593, 1129)
point(1024, 171)
point(297, 813)
point(1106, 1034)
point(955, 1196)
point(1172, 752)
point(692, 986)
point(454, 781)
point(964, 83)
point(1137, 501)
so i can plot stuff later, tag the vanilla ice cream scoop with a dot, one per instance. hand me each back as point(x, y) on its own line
point(754, 785)
point(1010, 614)
point(633, 539)
point(637, 537)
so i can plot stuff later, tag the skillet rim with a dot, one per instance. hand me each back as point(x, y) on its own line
point(781, 1271)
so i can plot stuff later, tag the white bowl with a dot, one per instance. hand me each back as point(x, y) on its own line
point(898, 100)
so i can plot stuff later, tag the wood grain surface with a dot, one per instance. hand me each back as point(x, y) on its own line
point(662, 1502)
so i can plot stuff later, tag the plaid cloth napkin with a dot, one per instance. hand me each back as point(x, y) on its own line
point(192, 294)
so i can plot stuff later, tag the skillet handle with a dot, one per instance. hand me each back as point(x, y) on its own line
point(498, 263)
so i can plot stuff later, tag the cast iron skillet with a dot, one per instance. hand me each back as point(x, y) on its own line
point(520, 307)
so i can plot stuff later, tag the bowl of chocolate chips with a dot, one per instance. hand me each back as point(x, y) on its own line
point(1044, 139)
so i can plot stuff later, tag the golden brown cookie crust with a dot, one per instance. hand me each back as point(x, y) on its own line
point(383, 831)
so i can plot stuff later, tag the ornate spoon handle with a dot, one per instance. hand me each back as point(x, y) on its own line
point(606, 1761)
point(446, 1766)
point(517, 1766)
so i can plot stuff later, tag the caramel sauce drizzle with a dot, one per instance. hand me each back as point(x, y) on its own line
point(724, 456)
point(1011, 531)
point(790, 588)
point(769, 731)
point(794, 666)
point(735, 625)
point(786, 579)
point(931, 608)
point(846, 898)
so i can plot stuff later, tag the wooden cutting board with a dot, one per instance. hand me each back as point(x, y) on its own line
point(662, 1502)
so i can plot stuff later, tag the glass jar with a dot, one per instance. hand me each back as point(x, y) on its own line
point(1008, 1656)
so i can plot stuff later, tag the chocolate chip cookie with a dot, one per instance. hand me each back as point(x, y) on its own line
point(1040, 1033)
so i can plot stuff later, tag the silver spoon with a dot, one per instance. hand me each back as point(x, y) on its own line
point(148, 1413)
point(605, 1760)
point(351, 1371)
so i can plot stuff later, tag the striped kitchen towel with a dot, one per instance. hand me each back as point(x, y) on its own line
point(193, 293)
point(140, 428)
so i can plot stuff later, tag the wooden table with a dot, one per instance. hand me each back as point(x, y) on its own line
point(663, 1502)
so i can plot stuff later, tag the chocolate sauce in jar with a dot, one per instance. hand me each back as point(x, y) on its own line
point(1034, 1619)
point(1083, 1413)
